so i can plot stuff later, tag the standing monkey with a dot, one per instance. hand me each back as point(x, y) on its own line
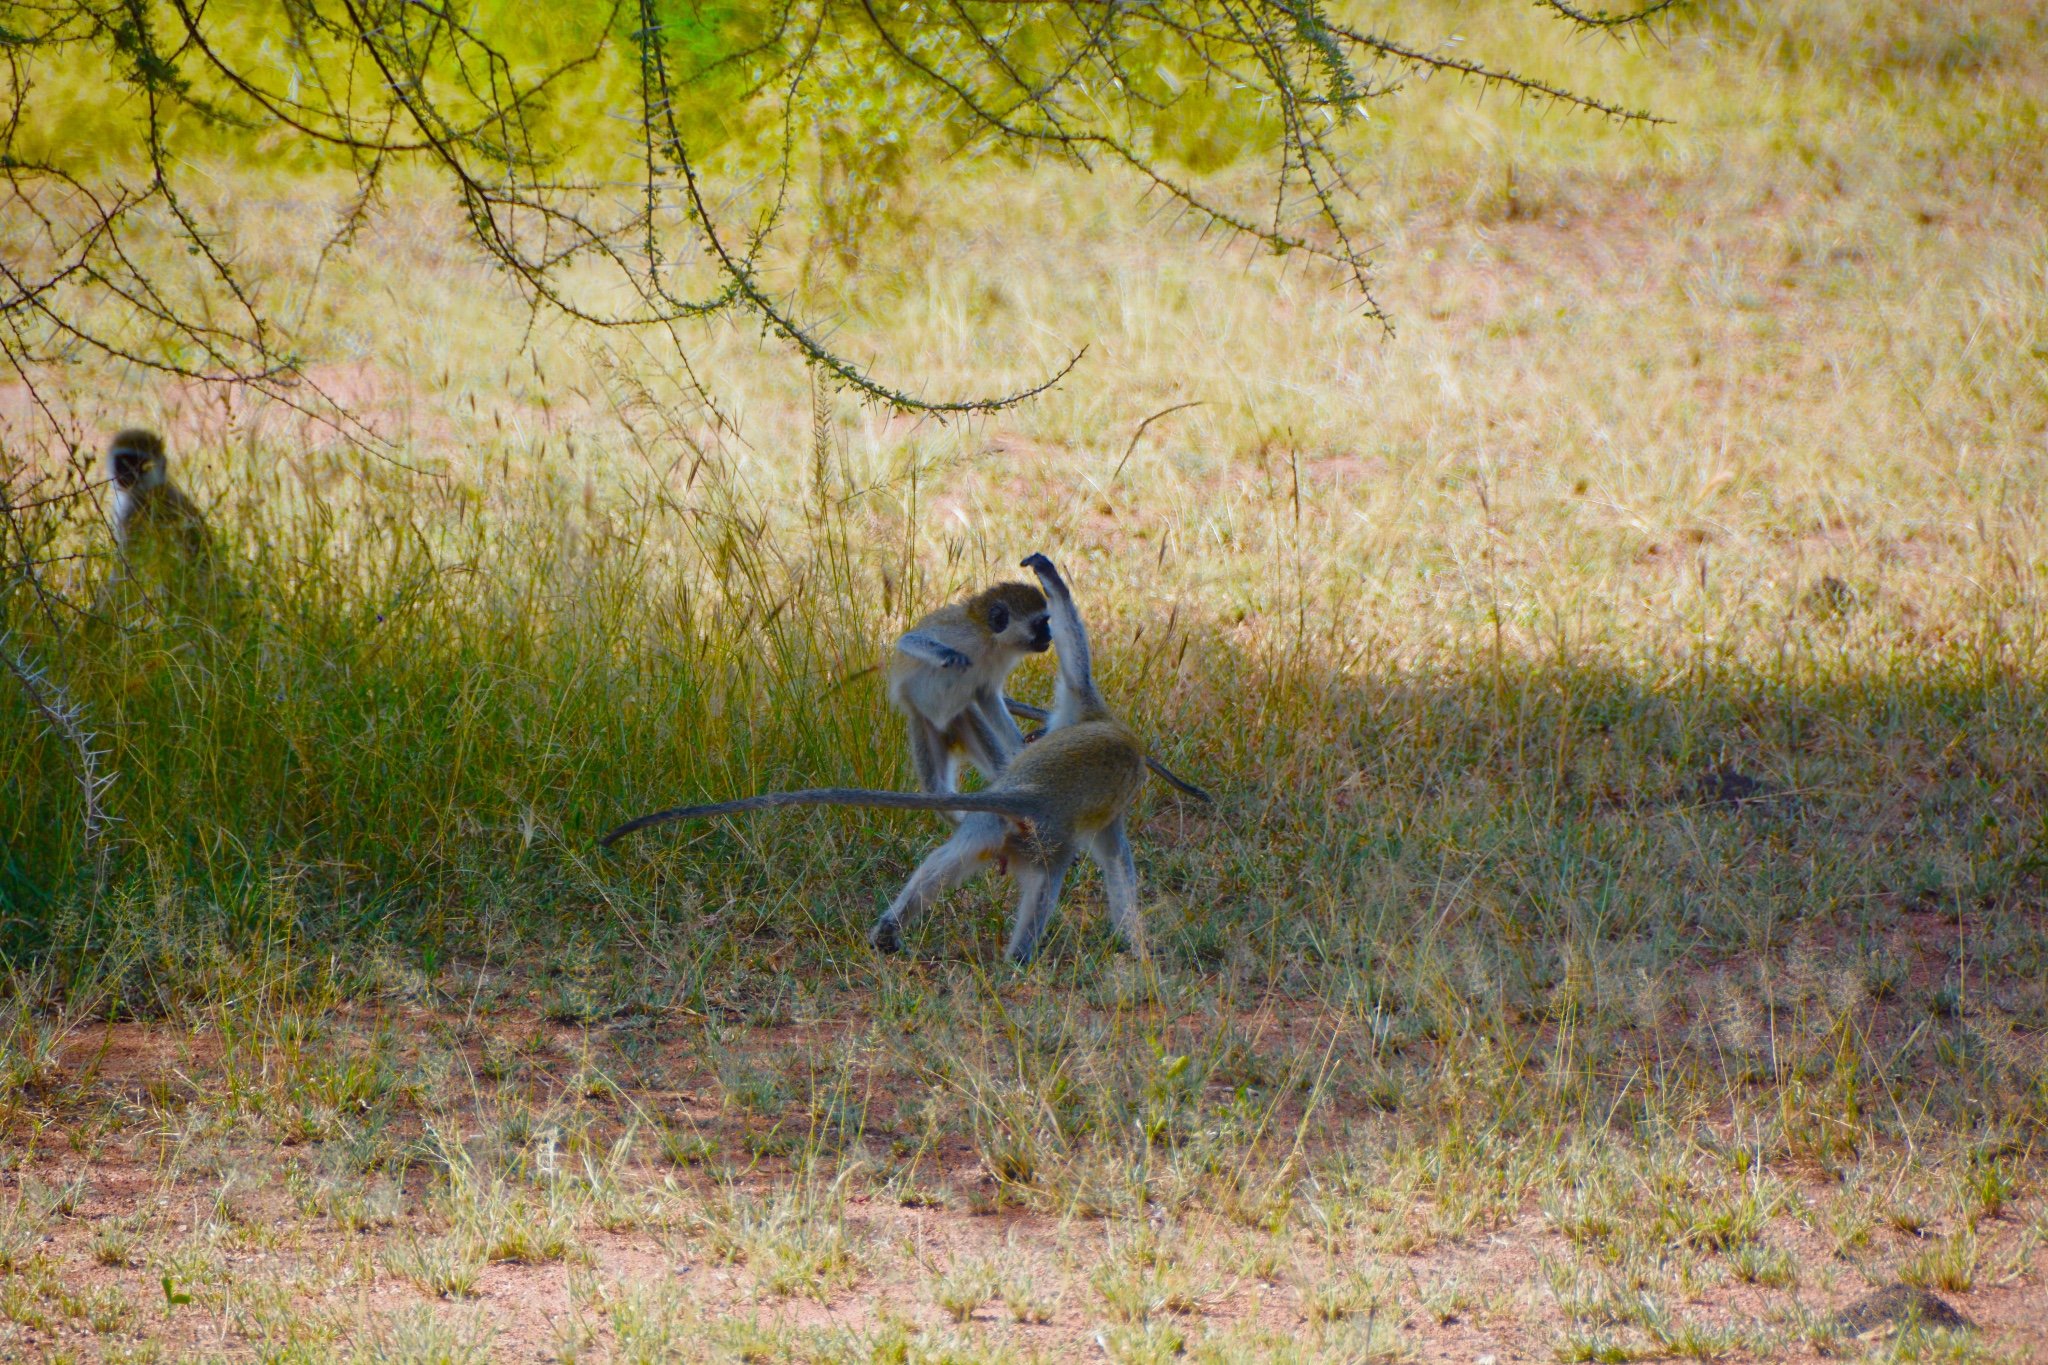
point(947, 679)
point(1064, 795)
point(153, 519)
point(1159, 770)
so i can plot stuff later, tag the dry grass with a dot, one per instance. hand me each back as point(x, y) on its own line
point(1619, 936)
point(540, 1214)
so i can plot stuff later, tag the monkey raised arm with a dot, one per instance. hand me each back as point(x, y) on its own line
point(1069, 636)
point(1013, 804)
point(1075, 697)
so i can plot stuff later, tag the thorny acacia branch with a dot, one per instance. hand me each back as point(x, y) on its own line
point(111, 254)
point(66, 719)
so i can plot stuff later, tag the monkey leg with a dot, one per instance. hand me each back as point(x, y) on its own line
point(1038, 895)
point(1111, 849)
point(938, 767)
point(973, 848)
point(929, 756)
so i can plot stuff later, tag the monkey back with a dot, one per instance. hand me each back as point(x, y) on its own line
point(1088, 773)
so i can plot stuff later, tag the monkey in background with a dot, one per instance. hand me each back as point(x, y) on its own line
point(947, 679)
point(152, 517)
point(1064, 795)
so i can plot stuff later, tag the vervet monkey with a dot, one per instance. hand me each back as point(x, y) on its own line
point(1059, 797)
point(152, 516)
point(947, 679)
point(1159, 770)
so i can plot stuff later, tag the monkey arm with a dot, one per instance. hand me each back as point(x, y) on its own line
point(992, 725)
point(1075, 696)
point(932, 650)
point(1016, 805)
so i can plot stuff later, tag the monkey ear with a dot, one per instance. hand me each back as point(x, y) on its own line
point(918, 645)
point(998, 619)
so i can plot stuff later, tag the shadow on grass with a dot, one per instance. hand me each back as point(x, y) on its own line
point(374, 761)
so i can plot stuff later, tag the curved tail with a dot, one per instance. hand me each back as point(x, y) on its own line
point(1160, 771)
point(993, 802)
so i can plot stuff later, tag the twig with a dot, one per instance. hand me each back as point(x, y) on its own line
point(1129, 449)
point(66, 718)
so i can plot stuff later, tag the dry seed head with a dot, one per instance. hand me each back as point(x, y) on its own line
point(1480, 984)
point(1845, 989)
point(1995, 1029)
point(1647, 1000)
point(1772, 983)
point(1802, 973)
point(1240, 960)
point(1579, 985)
point(1737, 1013)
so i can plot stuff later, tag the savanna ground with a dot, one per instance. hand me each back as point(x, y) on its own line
point(1619, 933)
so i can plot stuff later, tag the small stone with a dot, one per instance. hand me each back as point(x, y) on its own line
point(1487, 1360)
point(1895, 1306)
point(1831, 598)
point(1727, 787)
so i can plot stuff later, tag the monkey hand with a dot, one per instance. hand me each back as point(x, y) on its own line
point(1043, 567)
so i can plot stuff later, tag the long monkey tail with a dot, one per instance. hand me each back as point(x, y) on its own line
point(995, 803)
point(1166, 775)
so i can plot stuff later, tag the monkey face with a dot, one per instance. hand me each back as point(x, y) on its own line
point(1032, 631)
point(130, 465)
point(1016, 616)
point(136, 459)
